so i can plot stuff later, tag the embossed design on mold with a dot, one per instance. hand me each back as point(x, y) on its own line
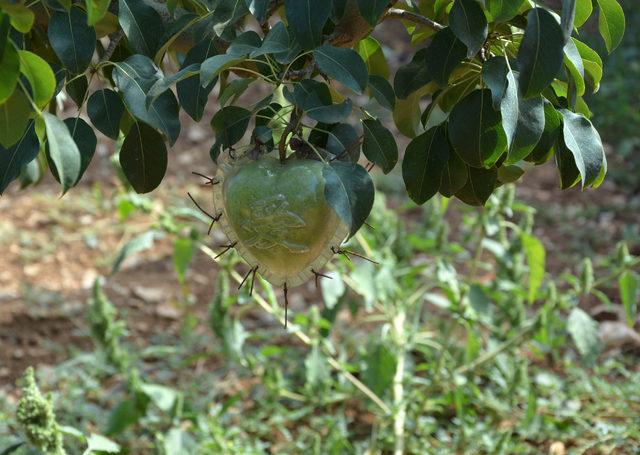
point(268, 223)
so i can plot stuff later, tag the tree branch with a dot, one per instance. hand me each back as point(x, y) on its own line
point(396, 13)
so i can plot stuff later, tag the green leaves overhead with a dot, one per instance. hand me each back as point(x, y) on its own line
point(63, 151)
point(72, 39)
point(96, 9)
point(611, 23)
point(9, 72)
point(343, 65)
point(14, 115)
point(306, 19)
point(454, 175)
point(443, 55)
point(349, 190)
point(39, 75)
point(142, 25)
point(14, 158)
point(143, 157)
point(314, 99)
point(105, 109)
point(192, 95)
point(86, 141)
point(413, 75)
point(424, 162)
point(381, 90)
point(584, 142)
point(20, 15)
point(134, 77)
point(503, 10)
point(541, 52)
point(479, 186)
point(475, 130)
point(379, 146)
point(371, 10)
point(469, 24)
point(373, 56)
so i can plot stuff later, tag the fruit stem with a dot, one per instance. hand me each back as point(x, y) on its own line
point(290, 128)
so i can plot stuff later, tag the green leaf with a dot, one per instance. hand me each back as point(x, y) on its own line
point(382, 92)
point(161, 396)
point(306, 19)
point(96, 10)
point(134, 77)
point(611, 23)
point(182, 255)
point(73, 41)
point(40, 76)
point(175, 30)
point(424, 162)
point(412, 76)
point(371, 52)
point(276, 41)
point(629, 283)
point(567, 18)
point(77, 89)
point(584, 8)
point(20, 15)
point(371, 10)
point(258, 8)
point(454, 175)
point(443, 55)
point(86, 141)
point(475, 130)
point(63, 151)
point(137, 244)
point(14, 158)
point(105, 109)
point(479, 186)
point(192, 95)
point(379, 146)
point(98, 444)
point(541, 52)
point(314, 98)
point(213, 66)
point(552, 129)
point(9, 71)
point(522, 121)
point(584, 142)
point(592, 64)
point(341, 142)
point(317, 368)
point(333, 289)
point(503, 10)
point(573, 63)
point(566, 163)
point(14, 115)
point(510, 173)
point(494, 75)
point(245, 43)
point(143, 157)
point(349, 190)
point(124, 414)
point(584, 332)
point(165, 83)
point(228, 13)
point(468, 22)
point(142, 25)
point(380, 368)
point(343, 65)
point(233, 90)
point(229, 124)
point(535, 254)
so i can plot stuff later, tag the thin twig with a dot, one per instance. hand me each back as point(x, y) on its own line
point(396, 13)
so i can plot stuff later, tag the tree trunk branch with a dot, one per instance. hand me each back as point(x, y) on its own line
point(396, 13)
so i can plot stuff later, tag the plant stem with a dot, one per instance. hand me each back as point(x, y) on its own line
point(396, 13)
point(399, 403)
point(477, 255)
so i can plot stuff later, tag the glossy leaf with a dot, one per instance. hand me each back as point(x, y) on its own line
point(424, 162)
point(343, 142)
point(314, 98)
point(63, 151)
point(142, 25)
point(105, 109)
point(14, 116)
point(584, 8)
point(567, 18)
point(494, 75)
point(479, 186)
point(611, 23)
point(510, 173)
point(276, 41)
point(475, 130)
point(258, 8)
point(574, 64)
point(443, 55)
point(245, 43)
point(9, 71)
point(192, 95)
point(371, 10)
point(566, 163)
point(86, 141)
point(503, 10)
point(592, 64)
point(40, 76)
point(96, 9)
point(412, 76)
point(552, 129)
point(229, 124)
point(468, 22)
point(381, 90)
point(73, 41)
point(134, 77)
point(20, 15)
point(350, 192)
point(584, 142)
point(379, 145)
point(165, 83)
point(343, 65)
point(541, 52)
point(371, 52)
point(18, 155)
point(77, 89)
point(454, 175)
point(143, 157)
point(306, 19)
point(213, 66)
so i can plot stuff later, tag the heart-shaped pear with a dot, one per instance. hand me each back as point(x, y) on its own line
point(278, 217)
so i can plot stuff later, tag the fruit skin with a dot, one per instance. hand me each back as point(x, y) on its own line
point(279, 217)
